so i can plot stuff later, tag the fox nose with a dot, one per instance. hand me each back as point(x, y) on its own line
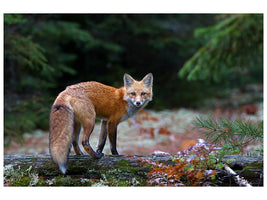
point(138, 103)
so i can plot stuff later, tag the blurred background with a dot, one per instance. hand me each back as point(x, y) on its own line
point(200, 62)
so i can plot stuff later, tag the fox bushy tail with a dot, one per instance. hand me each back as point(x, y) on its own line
point(61, 127)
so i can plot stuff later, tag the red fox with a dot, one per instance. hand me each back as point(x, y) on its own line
point(78, 105)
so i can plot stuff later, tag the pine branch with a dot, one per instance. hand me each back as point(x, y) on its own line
point(235, 133)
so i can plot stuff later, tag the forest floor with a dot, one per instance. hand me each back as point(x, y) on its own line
point(149, 131)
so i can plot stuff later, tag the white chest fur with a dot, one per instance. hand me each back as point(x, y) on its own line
point(131, 110)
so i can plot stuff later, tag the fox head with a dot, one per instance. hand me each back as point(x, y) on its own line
point(139, 93)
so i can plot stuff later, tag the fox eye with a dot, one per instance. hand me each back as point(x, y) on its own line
point(143, 93)
point(133, 93)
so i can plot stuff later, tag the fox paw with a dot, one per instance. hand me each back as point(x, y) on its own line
point(98, 151)
point(115, 152)
point(99, 155)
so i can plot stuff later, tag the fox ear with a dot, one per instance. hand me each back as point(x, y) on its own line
point(148, 80)
point(128, 80)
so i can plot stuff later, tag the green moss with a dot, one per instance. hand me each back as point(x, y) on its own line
point(24, 181)
point(123, 174)
point(63, 181)
point(249, 171)
point(122, 163)
point(125, 165)
point(42, 182)
point(49, 169)
point(93, 174)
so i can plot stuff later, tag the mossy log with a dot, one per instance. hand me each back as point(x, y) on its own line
point(122, 167)
point(79, 165)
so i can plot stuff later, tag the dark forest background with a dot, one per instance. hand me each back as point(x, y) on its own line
point(193, 57)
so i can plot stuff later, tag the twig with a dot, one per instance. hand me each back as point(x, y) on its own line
point(239, 180)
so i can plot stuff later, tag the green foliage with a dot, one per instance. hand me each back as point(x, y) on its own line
point(234, 134)
point(14, 19)
point(34, 62)
point(25, 116)
point(231, 48)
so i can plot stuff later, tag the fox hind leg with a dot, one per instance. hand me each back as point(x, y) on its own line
point(88, 127)
point(76, 134)
point(85, 113)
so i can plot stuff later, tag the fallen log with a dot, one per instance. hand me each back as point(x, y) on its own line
point(122, 167)
point(78, 165)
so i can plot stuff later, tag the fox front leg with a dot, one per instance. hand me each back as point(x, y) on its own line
point(112, 135)
point(102, 136)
